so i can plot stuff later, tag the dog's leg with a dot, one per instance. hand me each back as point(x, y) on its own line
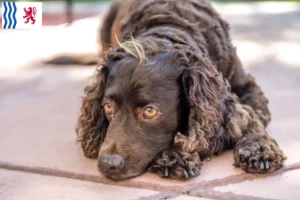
point(248, 91)
point(174, 163)
point(104, 41)
point(255, 151)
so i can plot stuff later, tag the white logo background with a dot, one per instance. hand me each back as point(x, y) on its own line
point(8, 9)
point(20, 13)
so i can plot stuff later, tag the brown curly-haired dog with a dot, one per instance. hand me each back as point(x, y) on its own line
point(171, 92)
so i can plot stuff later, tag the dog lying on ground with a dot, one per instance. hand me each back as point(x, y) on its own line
point(170, 92)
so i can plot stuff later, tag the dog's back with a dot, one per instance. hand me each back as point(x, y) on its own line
point(191, 22)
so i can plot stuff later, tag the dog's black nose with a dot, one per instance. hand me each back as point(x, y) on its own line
point(111, 161)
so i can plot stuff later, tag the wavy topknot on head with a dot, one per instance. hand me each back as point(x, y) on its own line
point(141, 48)
point(135, 49)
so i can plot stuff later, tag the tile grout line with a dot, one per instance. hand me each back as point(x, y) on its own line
point(83, 177)
point(241, 177)
point(208, 191)
point(179, 190)
point(211, 194)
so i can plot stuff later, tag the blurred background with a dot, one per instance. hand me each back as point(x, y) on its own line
point(259, 20)
point(94, 7)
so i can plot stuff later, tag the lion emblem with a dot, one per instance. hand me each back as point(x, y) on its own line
point(30, 14)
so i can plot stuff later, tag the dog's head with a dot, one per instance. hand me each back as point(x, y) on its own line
point(141, 96)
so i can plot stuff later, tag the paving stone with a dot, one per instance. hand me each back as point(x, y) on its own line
point(25, 186)
point(44, 117)
point(284, 186)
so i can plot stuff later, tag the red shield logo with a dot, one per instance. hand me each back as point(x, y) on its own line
point(30, 13)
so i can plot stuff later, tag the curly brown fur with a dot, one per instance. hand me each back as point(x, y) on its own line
point(92, 123)
point(181, 64)
point(255, 151)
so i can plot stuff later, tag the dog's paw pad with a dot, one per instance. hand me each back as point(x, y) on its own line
point(259, 157)
point(177, 167)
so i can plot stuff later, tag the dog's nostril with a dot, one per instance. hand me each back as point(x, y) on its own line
point(112, 168)
point(111, 161)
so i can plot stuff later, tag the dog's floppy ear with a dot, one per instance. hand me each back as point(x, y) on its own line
point(92, 123)
point(203, 86)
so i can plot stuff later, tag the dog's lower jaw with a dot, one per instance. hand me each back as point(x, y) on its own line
point(120, 175)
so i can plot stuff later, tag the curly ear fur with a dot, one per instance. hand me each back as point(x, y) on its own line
point(205, 87)
point(92, 123)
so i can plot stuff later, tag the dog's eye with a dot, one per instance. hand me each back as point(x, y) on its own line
point(108, 108)
point(150, 112)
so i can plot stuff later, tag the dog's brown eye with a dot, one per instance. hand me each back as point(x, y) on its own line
point(150, 112)
point(108, 108)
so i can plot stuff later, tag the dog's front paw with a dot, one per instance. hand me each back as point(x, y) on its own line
point(172, 164)
point(258, 156)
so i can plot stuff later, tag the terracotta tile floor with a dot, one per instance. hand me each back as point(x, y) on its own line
point(40, 159)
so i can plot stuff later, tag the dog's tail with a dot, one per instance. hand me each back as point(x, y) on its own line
point(74, 59)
